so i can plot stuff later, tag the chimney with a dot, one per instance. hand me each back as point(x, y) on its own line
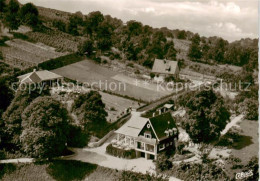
point(34, 70)
point(153, 114)
point(160, 111)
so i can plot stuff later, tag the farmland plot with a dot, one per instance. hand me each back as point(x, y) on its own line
point(23, 54)
point(89, 72)
point(62, 41)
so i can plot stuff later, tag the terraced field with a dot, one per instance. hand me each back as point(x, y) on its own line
point(23, 54)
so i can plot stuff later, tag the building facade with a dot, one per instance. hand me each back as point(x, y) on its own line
point(164, 68)
point(147, 136)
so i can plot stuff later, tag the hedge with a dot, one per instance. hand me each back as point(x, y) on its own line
point(129, 154)
point(60, 61)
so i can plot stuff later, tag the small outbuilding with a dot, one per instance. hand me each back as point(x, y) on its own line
point(42, 76)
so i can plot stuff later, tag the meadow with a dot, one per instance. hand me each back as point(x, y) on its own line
point(58, 170)
point(90, 72)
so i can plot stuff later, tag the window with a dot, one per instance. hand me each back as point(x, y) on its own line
point(161, 147)
point(147, 135)
point(170, 143)
point(167, 144)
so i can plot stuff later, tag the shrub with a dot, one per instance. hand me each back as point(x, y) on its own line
point(129, 154)
point(3, 39)
point(21, 36)
point(97, 59)
point(152, 75)
point(137, 72)
point(130, 65)
point(163, 163)
point(111, 57)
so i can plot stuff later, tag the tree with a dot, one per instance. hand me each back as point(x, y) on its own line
point(156, 48)
point(219, 50)
point(75, 20)
point(86, 47)
point(134, 28)
point(250, 108)
point(170, 51)
point(182, 35)
point(2, 5)
point(195, 49)
point(60, 25)
point(207, 116)
point(29, 15)
point(92, 22)
point(92, 107)
point(12, 15)
point(12, 116)
point(45, 125)
point(103, 35)
point(6, 96)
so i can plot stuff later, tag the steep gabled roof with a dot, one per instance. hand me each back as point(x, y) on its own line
point(161, 123)
point(165, 66)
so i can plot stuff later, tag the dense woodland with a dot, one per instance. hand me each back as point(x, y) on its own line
point(138, 42)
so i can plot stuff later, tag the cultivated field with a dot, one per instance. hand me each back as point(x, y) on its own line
point(92, 73)
point(23, 54)
point(62, 41)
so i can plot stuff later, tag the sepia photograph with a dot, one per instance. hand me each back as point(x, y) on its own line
point(129, 90)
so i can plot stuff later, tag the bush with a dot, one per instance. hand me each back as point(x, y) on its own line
point(130, 65)
point(97, 59)
point(60, 61)
point(129, 154)
point(152, 75)
point(21, 36)
point(3, 39)
point(163, 163)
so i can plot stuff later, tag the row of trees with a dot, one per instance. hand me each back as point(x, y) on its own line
point(136, 41)
point(241, 53)
point(14, 15)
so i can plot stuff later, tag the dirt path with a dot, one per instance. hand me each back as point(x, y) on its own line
point(18, 160)
point(232, 123)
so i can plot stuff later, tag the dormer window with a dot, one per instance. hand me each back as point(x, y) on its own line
point(167, 133)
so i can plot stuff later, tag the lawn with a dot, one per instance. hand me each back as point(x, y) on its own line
point(59, 170)
point(116, 105)
point(89, 72)
point(248, 145)
point(64, 170)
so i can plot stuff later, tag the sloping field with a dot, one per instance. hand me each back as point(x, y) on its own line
point(91, 73)
point(23, 54)
point(62, 41)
